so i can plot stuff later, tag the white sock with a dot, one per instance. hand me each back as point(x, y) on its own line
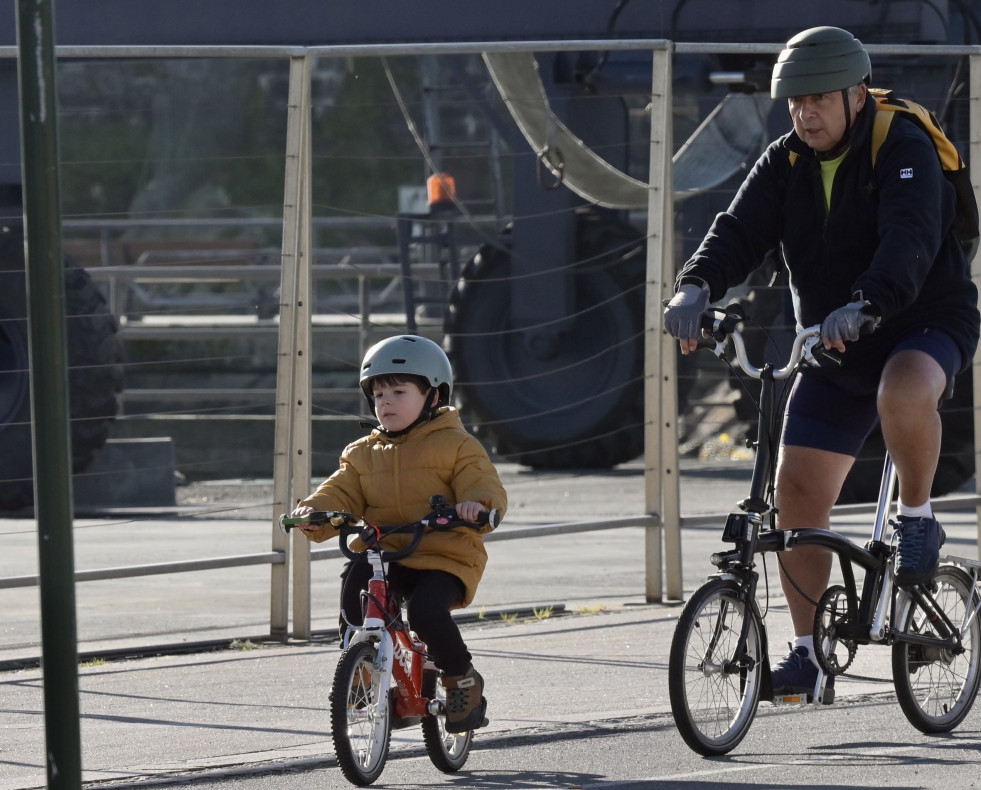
point(921, 511)
point(808, 642)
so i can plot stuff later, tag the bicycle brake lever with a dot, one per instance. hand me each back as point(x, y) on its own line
point(816, 355)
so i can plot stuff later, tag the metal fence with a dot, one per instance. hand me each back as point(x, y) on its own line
point(290, 559)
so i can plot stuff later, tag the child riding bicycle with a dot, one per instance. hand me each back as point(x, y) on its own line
point(419, 449)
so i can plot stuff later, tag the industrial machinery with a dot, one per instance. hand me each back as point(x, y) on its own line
point(545, 322)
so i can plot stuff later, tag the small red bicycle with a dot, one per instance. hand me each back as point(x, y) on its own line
point(384, 679)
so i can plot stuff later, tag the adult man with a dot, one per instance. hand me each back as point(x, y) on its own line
point(872, 259)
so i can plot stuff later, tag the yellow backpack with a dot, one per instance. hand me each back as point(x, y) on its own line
point(887, 106)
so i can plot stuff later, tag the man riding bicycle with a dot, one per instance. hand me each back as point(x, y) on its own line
point(873, 259)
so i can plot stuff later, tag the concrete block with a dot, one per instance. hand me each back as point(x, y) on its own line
point(128, 473)
point(223, 447)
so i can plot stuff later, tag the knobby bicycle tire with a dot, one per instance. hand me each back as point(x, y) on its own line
point(714, 695)
point(447, 750)
point(936, 687)
point(361, 736)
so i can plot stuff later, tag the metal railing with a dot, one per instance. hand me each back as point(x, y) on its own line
point(662, 521)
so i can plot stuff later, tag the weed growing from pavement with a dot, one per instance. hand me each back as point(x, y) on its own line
point(542, 614)
point(597, 609)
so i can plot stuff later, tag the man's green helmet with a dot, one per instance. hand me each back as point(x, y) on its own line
point(404, 355)
point(820, 60)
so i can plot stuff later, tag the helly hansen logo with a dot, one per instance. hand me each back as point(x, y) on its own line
point(906, 172)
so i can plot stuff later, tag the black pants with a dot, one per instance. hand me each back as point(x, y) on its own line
point(429, 596)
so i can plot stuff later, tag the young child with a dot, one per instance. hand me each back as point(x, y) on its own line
point(420, 449)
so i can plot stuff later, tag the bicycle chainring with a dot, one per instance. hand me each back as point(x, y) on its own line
point(834, 654)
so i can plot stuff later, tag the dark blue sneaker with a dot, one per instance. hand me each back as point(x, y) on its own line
point(918, 554)
point(797, 674)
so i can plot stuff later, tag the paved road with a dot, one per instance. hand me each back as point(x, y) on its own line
point(576, 700)
point(576, 684)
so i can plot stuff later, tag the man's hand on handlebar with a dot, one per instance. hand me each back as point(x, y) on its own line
point(682, 315)
point(847, 324)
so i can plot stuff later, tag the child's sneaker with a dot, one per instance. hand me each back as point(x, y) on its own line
point(797, 674)
point(465, 703)
point(918, 554)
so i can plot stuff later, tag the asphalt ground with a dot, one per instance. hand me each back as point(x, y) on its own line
point(176, 680)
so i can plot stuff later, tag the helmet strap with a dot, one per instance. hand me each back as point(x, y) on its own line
point(846, 137)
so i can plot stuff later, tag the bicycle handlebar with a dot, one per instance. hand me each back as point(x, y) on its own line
point(442, 518)
point(722, 325)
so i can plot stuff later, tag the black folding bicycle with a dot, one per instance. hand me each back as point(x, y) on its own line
point(719, 669)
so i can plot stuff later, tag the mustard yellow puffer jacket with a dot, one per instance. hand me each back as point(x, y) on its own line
point(390, 481)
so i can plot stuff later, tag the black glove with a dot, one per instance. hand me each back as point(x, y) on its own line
point(847, 323)
point(681, 314)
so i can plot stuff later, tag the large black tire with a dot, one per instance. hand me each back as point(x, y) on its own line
point(581, 404)
point(935, 687)
point(95, 374)
point(714, 693)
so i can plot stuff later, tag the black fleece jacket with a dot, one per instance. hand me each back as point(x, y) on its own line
point(887, 236)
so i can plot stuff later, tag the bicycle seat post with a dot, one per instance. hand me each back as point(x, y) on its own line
point(886, 489)
point(878, 628)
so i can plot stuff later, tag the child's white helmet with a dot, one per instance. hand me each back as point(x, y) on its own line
point(408, 355)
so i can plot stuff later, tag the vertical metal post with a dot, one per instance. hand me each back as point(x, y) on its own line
point(670, 487)
point(303, 368)
point(292, 465)
point(974, 155)
point(47, 344)
point(364, 325)
point(660, 391)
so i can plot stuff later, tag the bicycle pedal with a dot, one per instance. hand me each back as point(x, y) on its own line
point(801, 698)
point(791, 699)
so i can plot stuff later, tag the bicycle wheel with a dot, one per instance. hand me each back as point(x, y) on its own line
point(361, 735)
point(447, 750)
point(935, 686)
point(715, 691)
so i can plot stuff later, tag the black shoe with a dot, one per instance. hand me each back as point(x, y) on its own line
point(918, 555)
point(797, 674)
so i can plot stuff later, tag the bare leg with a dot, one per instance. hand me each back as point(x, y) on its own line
point(909, 390)
point(808, 484)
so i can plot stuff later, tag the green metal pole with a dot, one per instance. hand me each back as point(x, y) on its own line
point(49, 390)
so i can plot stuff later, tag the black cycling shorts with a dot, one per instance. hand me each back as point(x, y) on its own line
point(837, 412)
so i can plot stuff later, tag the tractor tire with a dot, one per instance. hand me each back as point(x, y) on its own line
point(94, 376)
point(581, 406)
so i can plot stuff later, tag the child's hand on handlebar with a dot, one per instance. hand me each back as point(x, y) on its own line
point(469, 511)
point(304, 510)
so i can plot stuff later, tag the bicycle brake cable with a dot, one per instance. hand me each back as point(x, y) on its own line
point(793, 583)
